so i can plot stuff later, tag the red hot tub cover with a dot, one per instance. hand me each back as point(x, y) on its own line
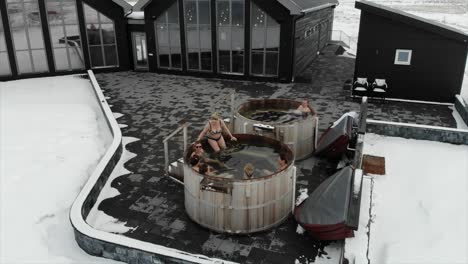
point(324, 213)
point(335, 139)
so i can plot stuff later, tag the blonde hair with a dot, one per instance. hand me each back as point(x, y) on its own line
point(215, 116)
point(249, 169)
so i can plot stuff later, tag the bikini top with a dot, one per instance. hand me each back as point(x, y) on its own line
point(214, 132)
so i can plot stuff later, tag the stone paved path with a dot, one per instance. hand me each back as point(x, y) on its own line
point(152, 105)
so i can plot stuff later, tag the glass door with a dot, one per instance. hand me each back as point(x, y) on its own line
point(140, 54)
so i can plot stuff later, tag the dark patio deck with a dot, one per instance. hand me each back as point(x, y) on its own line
point(153, 105)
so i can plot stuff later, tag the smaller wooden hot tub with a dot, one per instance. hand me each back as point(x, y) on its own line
point(241, 205)
point(298, 132)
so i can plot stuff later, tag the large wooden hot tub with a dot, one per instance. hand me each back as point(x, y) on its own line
point(243, 205)
point(298, 133)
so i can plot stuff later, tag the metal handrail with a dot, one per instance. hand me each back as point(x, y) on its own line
point(77, 49)
point(183, 126)
point(339, 35)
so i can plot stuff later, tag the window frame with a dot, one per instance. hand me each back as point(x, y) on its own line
point(63, 24)
point(230, 72)
point(397, 53)
point(26, 27)
point(9, 72)
point(265, 51)
point(200, 49)
point(101, 38)
point(168, 46)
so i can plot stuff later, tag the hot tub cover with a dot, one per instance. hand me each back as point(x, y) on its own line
point(324, 213)
point(335, 139)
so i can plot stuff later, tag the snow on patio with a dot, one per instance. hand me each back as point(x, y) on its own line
point(419, 209)
point(52, 136)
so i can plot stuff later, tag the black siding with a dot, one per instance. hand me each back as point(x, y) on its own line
point(437, 63)
point(306, 48)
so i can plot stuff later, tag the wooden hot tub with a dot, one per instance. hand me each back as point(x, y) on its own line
point(299, 133)
point(241, 205)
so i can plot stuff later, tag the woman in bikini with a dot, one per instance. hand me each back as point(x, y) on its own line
point(213, 131)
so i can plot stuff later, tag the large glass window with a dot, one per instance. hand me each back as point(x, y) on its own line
point(265, 43)
point(65, 35)
point(101, 39)
point(168, 39)
point(198, 34)
point(4, 60)
point(28, 41)
point(230, 22)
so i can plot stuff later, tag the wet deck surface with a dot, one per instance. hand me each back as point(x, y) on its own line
point(153, 105)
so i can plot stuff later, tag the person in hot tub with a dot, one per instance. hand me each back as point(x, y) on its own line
point(199, 166)
point(282, 162)
point(213, 131)
point(200, 152)
point(304, 108)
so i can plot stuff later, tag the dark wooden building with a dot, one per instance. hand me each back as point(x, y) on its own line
point(245, 39)
point(418, 58)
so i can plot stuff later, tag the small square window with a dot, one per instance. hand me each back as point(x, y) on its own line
point(403, 57)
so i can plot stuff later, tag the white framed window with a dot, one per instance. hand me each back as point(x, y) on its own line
point(403, 57)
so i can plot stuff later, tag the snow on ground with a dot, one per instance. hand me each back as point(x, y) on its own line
point(97, 218)
point(356, 247)
point(52, 135)
point(420, 207)
point(453, 13)
point(330, 255)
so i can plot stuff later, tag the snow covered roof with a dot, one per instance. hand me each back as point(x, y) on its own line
point(297, 7)
point(412, 20)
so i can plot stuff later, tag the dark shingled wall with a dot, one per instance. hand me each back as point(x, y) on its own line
point(306, 48)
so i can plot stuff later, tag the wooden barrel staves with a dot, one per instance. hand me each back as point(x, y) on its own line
point(240, 206)
point(299, 134)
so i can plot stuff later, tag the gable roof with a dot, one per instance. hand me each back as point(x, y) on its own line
point(412, 20)
point(297, 7)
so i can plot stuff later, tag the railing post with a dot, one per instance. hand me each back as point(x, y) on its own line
point(184, 132)
point(233, 105)
point(316, 132)
point(166, 156)
point(293, 190)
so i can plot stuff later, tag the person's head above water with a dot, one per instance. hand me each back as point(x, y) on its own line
point(305, 102)
point(282, 160)
point(249, 170)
